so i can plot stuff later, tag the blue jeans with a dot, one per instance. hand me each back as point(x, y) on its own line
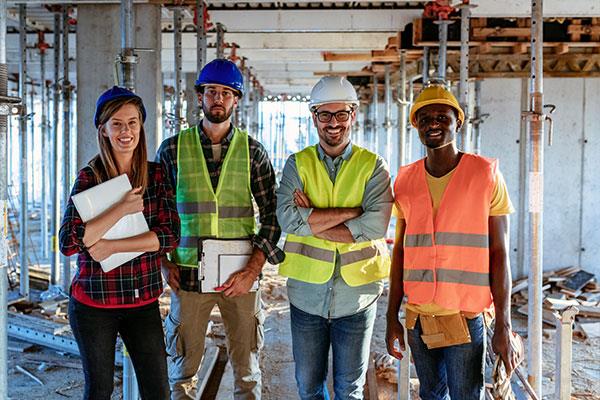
point(95, 330)
point(349, 338)
point(453, 372)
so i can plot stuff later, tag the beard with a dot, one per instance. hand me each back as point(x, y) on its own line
point(216, 117)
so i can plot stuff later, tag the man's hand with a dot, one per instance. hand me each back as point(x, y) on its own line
point(393, 332)
point(170, 272)
point(503, 349)
point(301, 199)
point(239, 283)
point(102, 249)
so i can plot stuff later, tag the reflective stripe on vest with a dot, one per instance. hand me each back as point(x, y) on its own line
point(310, 259)
point(225, 213)
point(448, 266)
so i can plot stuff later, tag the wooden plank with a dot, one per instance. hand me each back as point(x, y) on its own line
point(482, 33)
point(372, 392)
point(589, 311)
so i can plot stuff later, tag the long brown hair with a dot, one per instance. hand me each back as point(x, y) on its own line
point(103, 165)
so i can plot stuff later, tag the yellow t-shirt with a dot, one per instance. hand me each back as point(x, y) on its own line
point(500, 205)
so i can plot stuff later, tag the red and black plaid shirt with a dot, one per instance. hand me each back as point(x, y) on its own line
point(139, 280)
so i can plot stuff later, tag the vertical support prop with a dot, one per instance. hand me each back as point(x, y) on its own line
point(387, 123)
point(178, 61)
point(220, 40)
point(425, 67)
point(443, 49)
point(463, 87)
point(3, 209)
point(536, 199)
point(402, 111)
point(45, 158)
point(375, 126)
point(23, 212)
point(55, 259)
point(128, 58)
point(66, 270)
point(564, 353)
point(200, 36)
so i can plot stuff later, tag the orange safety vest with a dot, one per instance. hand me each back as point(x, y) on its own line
point(446, 260)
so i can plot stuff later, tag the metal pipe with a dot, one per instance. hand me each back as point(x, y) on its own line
point(55, 261)
point(128, 58)
point(402, 111)
point(66, 270)
point(536, 195)
point(3, 210)
point(178, 62)
point(200, 36)
point(375, 114)
point(44, 213)
point(220, 40)
point(476, 126)
point(387, 123)
point(463, 84)
point(425, 71)
point(564, 350)
point(23, 213)
point(31, 139)
point(523, 227)
point(443, 49)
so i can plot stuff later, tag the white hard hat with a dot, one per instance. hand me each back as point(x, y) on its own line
point(332, 89)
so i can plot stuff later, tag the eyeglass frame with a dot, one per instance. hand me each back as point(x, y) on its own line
point(334, 115)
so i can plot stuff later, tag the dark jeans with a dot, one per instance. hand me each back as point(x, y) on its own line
point(453, 372)
point(95, 330)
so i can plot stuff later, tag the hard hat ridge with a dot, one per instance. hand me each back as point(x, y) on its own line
point(333, 89)
point(222, 72)
point(435, 93)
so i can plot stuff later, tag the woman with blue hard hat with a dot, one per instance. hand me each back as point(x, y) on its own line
point(123, 300)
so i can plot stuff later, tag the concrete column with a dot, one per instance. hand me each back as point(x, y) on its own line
point(191, 113)
point(98, 43)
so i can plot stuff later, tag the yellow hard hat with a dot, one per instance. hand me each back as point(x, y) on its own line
point(435, 94)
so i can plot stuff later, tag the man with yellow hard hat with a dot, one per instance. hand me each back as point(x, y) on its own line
point(450, 257)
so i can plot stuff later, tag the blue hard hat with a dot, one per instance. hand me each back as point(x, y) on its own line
point(115, 93)
point(222, 72)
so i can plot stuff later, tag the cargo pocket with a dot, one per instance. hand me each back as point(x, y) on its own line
point(259, 319)
point(173, 343)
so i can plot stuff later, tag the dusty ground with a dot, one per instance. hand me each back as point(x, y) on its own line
point(66, 381)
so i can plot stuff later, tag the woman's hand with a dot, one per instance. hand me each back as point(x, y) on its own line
point(132, 202)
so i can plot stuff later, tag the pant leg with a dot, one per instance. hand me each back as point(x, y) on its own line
point(185, 333)
point(310, 347)
point(243, 319)
point(430, 367)
point(351, 344)
point(465, 364)
point(142, 332)
point(95, 331)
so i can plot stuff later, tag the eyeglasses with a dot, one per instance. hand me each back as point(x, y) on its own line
point(340, 116)
point(214, 93)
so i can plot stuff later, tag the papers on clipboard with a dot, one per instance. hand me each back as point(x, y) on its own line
point(219, 258)
point(94, 201)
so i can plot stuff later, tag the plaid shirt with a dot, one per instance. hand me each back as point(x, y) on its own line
point(138, 280)
point(262, 185)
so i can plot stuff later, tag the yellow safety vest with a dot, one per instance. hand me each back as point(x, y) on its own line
point(310, 259)
point(226, 213)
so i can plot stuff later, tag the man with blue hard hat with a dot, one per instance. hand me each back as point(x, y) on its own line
point(217, 172)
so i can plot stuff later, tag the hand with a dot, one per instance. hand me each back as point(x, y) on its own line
point(301, 199)
point(393, 332)
point(102, 249)
point(170, 272)
point(132, 202)
point(502, 347)
point(239, 283)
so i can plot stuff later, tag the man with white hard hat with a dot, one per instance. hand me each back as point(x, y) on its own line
point(334, 201)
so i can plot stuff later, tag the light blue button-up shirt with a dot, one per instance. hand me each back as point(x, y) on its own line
point(335, 298)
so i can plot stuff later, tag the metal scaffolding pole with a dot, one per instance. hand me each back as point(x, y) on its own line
point(55, 260)
point(536, 195)
point(127, 58)
point(246, 109)
point(443, 49)
point(32, 146)
point(4, 112)
point(425, 71)
point(178, 61)
point(44, 213)
point(23, 228)
point(220, 40)
point(375, 126)
point(66, 270)
point(200, 36)
point(463, 84)
point(477, 119)
point(387, 123)
point(402, 111)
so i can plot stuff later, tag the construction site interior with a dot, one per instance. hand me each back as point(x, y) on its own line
point(57, 56)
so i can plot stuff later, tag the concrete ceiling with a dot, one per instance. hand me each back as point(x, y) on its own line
point(283, 41)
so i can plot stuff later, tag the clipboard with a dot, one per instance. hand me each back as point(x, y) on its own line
point(219, 258)
point(94, 201)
